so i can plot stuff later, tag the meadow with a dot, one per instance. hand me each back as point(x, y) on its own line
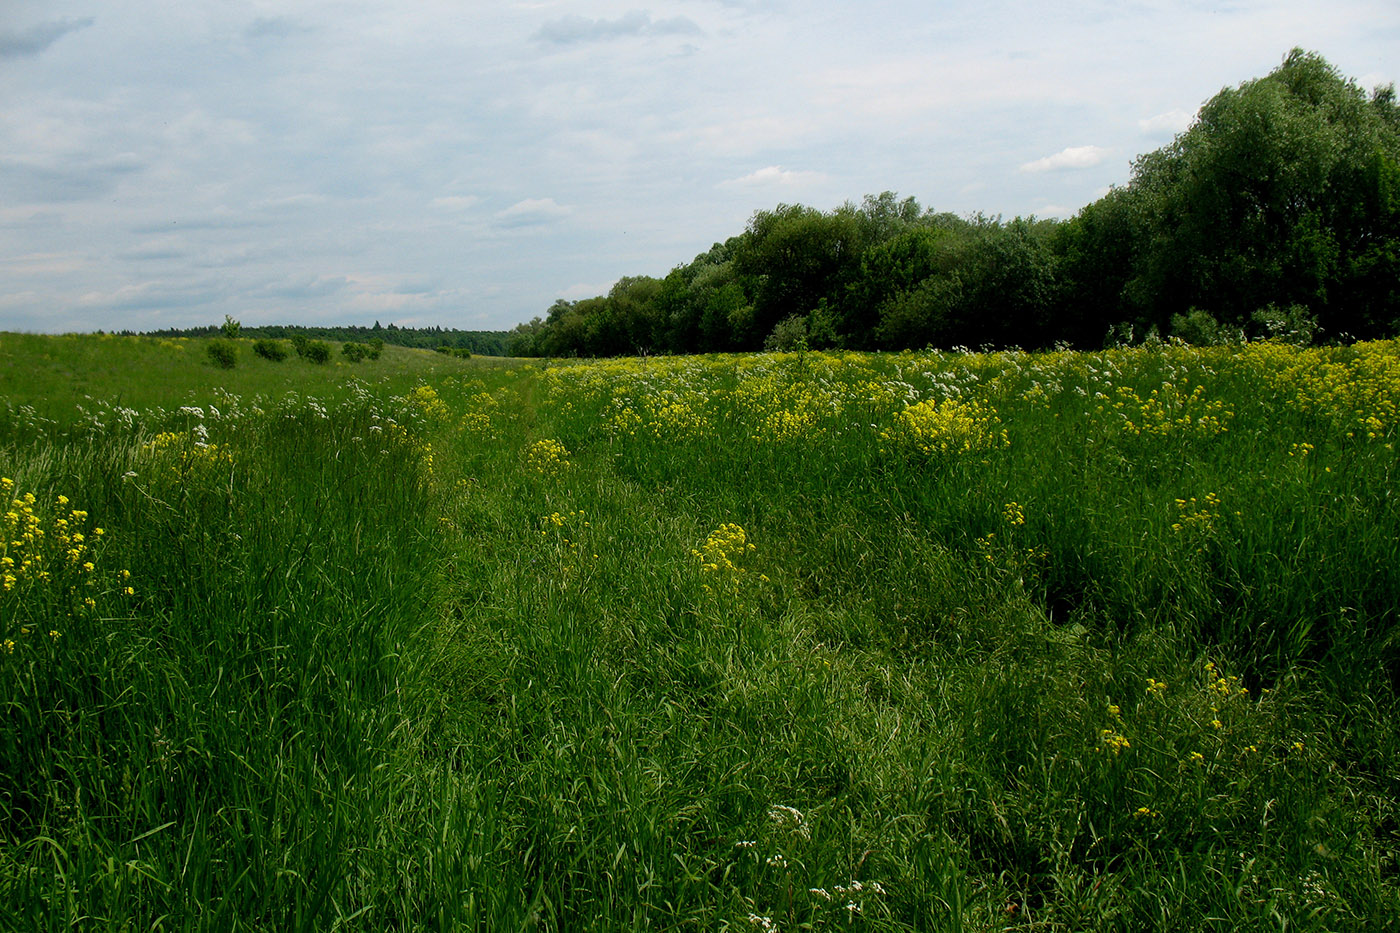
point(916, 641)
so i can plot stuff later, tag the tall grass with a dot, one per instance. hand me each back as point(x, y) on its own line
point(956, 642)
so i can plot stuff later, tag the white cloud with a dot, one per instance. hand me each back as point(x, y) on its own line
point(1166, 124)
point(531, 212)
point(454, 202)
point(572, 29)
point(1075, 157)
point(773, 176)
point(581, 290)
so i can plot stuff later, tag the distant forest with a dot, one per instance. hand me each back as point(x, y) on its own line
point(480, 342)
point(1276, 214)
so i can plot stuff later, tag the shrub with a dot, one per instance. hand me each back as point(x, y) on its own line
point(316, 351)
point(270, 350)
point(354, 352)
point(790, 334)
point(1292, 324)
point(1199, 328)
point(376, 347)
point(223, 354)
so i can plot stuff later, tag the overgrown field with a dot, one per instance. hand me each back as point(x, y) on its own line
point(1056, 641)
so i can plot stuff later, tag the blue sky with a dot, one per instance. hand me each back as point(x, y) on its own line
point(464, 164)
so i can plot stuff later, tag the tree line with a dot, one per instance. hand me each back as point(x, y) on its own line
point(1275, 214)
point(477, 342)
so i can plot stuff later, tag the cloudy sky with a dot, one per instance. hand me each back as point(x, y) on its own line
point(166, 162)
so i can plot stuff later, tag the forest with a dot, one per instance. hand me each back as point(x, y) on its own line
point(1276, 214)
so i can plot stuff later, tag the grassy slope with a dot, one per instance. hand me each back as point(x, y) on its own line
point(404, 665)
point(57, 374)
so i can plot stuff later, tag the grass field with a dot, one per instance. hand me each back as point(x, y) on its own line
point(925, 641)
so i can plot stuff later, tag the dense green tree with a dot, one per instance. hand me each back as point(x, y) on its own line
point(1276, 211)
point(1278, 194)
point(796, 256)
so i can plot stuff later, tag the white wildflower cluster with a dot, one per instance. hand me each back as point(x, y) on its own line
point(789, 819)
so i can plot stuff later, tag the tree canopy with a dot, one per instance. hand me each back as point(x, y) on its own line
point(1281, 198)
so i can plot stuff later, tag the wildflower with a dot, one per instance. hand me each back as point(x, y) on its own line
point(1156, 687)
point(1145, 813)
point(547, 457)
point(776, 861)
point(789, 819)
point(1114, 741)
point(1197, 758)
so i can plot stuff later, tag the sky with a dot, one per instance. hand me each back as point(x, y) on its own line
point(464, 164)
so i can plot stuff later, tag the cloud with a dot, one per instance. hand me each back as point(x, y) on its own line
point(454, 202)
point(1072, 158)
point(531, 212)
point(306, 286)
point(773, 176)
point(274, 27)
point(573, 29)
point(582, 290)
point(32, 181)
point(36, 39)
point(1166, 124)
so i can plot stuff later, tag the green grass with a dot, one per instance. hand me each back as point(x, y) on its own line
point(57, 376)
point(430, 643)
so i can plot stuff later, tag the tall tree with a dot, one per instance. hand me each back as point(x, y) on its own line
point(1273, 196)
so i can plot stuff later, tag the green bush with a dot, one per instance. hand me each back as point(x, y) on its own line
point(316, 351)
point(1199, 328)
point(270, 350)
point(223, 354)
point(354, 352)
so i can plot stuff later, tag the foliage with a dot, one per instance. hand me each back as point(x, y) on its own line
point(271, 350)
point(313, 351)
point(222, 353)
point(1281, 195)
point(486, 343)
